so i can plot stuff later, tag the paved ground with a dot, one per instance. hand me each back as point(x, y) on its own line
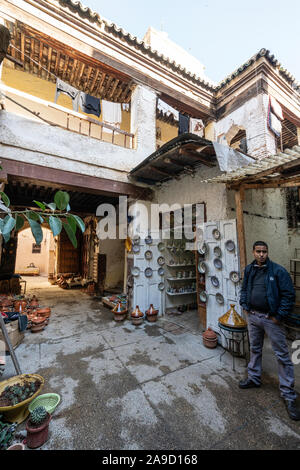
point(147, 387)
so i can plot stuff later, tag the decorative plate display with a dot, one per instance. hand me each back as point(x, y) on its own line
point(135, 248)
point(161, 246)
point(217, 251)
point(161, 286)
point(203, 296)
point(230, 245)
point(234, 277)
point(218, 263)
point(220, 298)
point(148, 255)
point(202, 267)
point(216, 234)
point(161, 261)
point(161, 271)
point(215, 281)
point(148, 240)
point(148, 272)
point(135, 271)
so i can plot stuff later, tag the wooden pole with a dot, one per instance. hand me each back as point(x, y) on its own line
point(10, 347)
point(239, 196)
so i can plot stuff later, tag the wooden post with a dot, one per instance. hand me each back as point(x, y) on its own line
point(239, 196)
point(9, 345)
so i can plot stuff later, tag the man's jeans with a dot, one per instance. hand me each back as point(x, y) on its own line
point(258, 325)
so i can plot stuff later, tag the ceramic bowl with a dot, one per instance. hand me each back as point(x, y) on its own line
point(234, 277)
point(220, 298)
point(161, 246)
point(135, 248)
point(161, 261)
point(215, 281)
point(148, 240)
point(203, 249)
point(218, 263)
point(217, 252)
point(216, 234)
point(203, 296)
point(230, 245)
point(148, 255)
point(161, 271)
point(148, 272)
point(135, 271)
point(202, 267)
point(161, 286)
point(136, 239)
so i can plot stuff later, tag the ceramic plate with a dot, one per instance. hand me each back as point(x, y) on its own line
point(148, 240)
point(215, 281)
point(202, 268)
point(148, 255)
point(135, 248)
point(135, 271)
point(161, 286)
point(161, 260)
point(234, 276)
point(203, 296)
point(218, 263)
point(161, 271)
point(203, 249)
point(230, 245)
point(216, 234)
point(220, 299)
point(217, 251)
point(161, 246)
point(148, 272)
point(136, 239)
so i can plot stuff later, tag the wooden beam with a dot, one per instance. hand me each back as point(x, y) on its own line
point(58, 179)
point(240, 229)
point(195, 155)
point(158, 170)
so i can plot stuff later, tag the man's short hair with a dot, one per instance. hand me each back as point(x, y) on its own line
point(260, 243)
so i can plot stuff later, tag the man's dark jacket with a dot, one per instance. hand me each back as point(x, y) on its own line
point(279, 288)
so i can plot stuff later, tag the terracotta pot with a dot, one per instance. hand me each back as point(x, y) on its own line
point(151, 314)
point(137, 317)
point(34, 302)
point(120, 316)
point(37, 328)
point(152, 318)
point(36, 437)
point(210, 339)
point(20, 305)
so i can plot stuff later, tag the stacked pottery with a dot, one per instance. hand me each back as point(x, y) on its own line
point(210, 339)
point(43, 313)
point(151, 314)
point(137, 317)
point(34, 303)
point(119, 312)
point(38, 324)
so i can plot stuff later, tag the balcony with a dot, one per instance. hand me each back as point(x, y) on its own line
point(31, 107)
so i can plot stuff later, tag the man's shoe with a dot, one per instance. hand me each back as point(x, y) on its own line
point(293, 411)
point(248, 383)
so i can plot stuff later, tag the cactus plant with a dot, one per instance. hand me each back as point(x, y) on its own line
point(38, 415)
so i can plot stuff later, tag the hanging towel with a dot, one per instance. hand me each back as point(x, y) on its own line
point(167, 109)
point(111, 112)
point(197, 127)
point(184, 124)
point(89, 104)
point(66, 89)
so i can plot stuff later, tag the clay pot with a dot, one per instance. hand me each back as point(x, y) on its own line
point(210, 339)
point(137, 317)
point(37, 328)
point(151, 314)
point(43, 312)
point(34, 302)
point(37, 436)
point(20, 306)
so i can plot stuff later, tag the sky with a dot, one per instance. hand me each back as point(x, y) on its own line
point(221, 34)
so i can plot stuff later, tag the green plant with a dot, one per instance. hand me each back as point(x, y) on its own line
point(6, 433)
point(38, 415)
point(55, 214)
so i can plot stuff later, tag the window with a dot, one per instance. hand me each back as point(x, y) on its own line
point(36, 248)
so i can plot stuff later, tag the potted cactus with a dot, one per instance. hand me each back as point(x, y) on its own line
point(37, 427)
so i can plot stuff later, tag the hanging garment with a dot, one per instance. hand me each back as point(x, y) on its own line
point(197, 127)
point(276, 108)
point(111, 112)
point(89, 104)
point(126, 107)
point(184, 124)
point(66, 89)
point(274, 124)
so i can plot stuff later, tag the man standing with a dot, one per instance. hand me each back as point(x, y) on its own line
point(267, 297)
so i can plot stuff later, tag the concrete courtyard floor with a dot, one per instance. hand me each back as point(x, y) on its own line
point(152, 387)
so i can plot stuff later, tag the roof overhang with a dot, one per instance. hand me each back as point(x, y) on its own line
point(182, 155)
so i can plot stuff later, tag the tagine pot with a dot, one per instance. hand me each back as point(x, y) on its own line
point(20, 306)
point(210, 339)
point(119, 312)
point(137, 317)
point(37, 436)
point(34, 302)
point(152, 314)
point(37, 324)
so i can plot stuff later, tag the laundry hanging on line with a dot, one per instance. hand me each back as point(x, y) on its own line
point(89, 104)
point(196, 127)
point(111, 112)
point(167, 109)
point(66, 89)
point(184, 124)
